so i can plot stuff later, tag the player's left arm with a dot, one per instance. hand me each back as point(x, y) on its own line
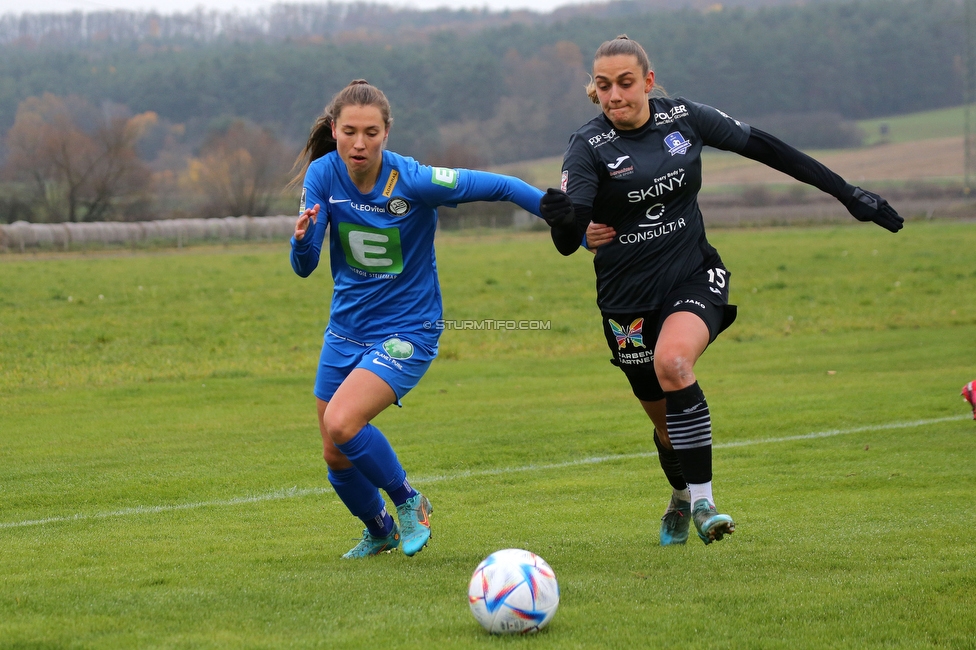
point(474, 185)
point(723, 132)
point(862, 204)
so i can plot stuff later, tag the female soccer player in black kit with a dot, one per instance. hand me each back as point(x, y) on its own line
point(632, 174)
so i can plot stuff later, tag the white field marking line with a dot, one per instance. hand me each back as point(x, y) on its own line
point(293, 493)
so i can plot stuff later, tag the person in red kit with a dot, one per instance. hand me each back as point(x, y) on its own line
point(969, 394)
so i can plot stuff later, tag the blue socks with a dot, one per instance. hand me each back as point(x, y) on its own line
point(375, 465)
point(363, 500)
point(359, 495)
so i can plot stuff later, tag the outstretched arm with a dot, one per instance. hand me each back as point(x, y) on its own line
point(474, 185)
point(863, 205)
point(568, 221)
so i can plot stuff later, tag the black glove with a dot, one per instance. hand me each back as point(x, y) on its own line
point(557, 209)
point(868, 206)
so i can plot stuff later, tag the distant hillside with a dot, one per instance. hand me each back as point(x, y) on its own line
point(473, 88)
point(290, 21)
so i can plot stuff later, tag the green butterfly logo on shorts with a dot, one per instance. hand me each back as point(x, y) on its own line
point(398, 349)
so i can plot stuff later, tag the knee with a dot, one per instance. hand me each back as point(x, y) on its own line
point(340, 425)
point(674, 370)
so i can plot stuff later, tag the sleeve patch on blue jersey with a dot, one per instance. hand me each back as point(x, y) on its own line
point(445, 176)
point(301, 206)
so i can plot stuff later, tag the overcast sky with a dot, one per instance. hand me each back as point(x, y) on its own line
point(173, 6)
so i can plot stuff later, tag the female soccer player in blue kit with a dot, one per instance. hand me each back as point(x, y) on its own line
point(380, 209)
point(630, 181)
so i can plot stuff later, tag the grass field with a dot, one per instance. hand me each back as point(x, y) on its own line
point(161, 481)
point(926, 125)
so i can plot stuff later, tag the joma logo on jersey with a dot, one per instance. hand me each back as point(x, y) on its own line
point(657, 189)
point(376, 250)
point(603, 138)
point(675, 113)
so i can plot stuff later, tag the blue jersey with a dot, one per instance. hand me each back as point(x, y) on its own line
point(381, 244)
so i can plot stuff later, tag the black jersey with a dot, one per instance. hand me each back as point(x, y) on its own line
point(645, 184)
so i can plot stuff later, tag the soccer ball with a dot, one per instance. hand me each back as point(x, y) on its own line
point(513, 592)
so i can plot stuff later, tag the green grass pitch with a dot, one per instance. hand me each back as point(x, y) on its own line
point(161, 480)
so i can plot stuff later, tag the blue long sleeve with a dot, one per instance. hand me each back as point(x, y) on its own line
point(486, 186)
point(305, 253)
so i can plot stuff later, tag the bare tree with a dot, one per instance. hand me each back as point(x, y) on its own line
point(544, 102)
point(240, 171)
point(81, 161)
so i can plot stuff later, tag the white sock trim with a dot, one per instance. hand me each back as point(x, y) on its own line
point(701, 491)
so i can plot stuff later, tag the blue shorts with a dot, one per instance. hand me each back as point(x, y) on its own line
point(397, 361)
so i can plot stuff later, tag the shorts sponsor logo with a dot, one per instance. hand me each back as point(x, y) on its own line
point(376, 251)
point(634, 333)
point(653, 213)
point(564, 182)
point(387, 361)
point(654, 232)
point(676, 143)
point(397, 206)
point(635, 358)
point(301, 205)
point(689, 301)
point(668, 183)
point(398, 348)
point(601, 139)
point(669, 117)
point(380, 363)
point(445, 176)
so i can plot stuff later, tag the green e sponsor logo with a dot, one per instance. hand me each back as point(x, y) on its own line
point(376, 250)
point(446, 177)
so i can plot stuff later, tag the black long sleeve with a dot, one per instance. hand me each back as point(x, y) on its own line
point(773, 152)
point(568, 238)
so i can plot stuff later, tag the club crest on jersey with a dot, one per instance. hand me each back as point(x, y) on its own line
point(634, 334)
point(398, 206)
point(677, 145)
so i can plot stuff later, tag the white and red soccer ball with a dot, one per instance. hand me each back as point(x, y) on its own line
point(513, 592)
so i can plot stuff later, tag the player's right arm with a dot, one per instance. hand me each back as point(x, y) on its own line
point(578, 190)
point(306, 244)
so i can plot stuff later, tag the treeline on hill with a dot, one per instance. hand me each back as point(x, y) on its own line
point(211, 124)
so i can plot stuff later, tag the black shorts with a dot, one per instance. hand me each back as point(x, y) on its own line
point(633, 336)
